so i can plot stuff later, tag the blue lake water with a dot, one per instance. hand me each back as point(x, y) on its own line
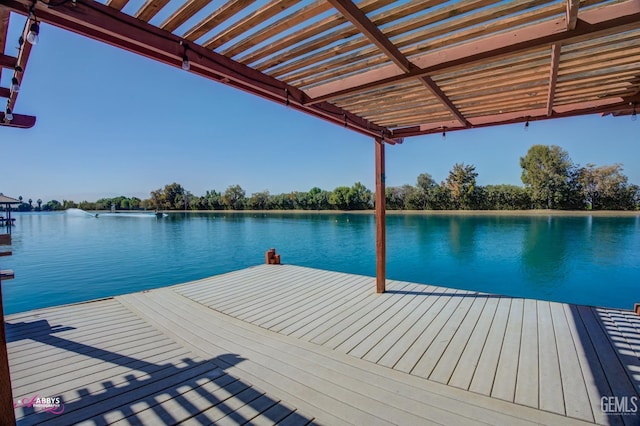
point(62, 258)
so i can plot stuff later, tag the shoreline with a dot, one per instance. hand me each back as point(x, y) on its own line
point(516, 213)
point(567, 213)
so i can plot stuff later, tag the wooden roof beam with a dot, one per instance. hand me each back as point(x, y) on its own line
point(224, 12)
point(150, 8)
point(99, 22)
point(572, 19)
point(538, 35)
point(7, 61)
point(117, 4)
point(183, 14)
point(19, 121)
point(371, 31)
point(21, 63)
point(572, 14)
point(4, 26)
point(553, 76)
point(448, 103)
point(248, 22)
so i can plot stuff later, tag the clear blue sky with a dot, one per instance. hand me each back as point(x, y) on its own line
point(112, 123)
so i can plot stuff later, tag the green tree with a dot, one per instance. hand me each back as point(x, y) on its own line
point(506, 197)
point(52, 206)
point(168, 198)
point(234, 198)
point(462, 183)
point(547, 172)
point(359, 197)
point(339, 198)
point(213, 200)
point(419, 199)
point(68, 204)
point(406, 197)
point(282, 202)
point(300, 200)
point(39, 201)
point(394, 198)
point(259, 201)
point(439, 198)
point(86, 205)
point(134, 203)
point(24, 207)
point(634, 197)
point(426, 182)
point(605, 187)
point(319, 199)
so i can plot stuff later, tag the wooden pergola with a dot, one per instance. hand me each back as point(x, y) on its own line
point(386, 69)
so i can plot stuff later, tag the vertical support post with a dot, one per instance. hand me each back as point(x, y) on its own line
point(381, 225)
point(7, 414)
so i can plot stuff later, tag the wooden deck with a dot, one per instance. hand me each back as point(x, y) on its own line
point(292, 345)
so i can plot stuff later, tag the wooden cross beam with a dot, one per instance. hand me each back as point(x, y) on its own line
point(371, 31)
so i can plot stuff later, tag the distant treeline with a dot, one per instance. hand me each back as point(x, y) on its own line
point(551, 181)
point(121, 203)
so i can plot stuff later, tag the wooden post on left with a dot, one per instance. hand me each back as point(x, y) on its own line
point(7, 414)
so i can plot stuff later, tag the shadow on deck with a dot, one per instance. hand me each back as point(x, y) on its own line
point(200, 392)
point(611, 343)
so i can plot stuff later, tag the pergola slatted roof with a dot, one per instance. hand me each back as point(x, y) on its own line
point(385, 68)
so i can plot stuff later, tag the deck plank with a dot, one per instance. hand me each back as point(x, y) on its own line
point(349, 337)
point(618, 375)
point(484, 375)
point(232, 289)
point(42, 372)
point(268, 289)
point(504, 386)
point(345, 317)
point(594, 376)
point(440, 342)
point(576, 399)
point(313, 308)
point(444, 369)
point(376, 336)
point(527, 380)
point(468, 362)
point(418, 347)
point(280, 306)
point(551, 394)
point(304, 328)
point(402, 347)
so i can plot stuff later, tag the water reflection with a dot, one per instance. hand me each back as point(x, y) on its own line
point(462, 236)
point(544, 251)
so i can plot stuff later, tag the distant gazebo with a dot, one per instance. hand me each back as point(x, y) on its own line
point(7, 202)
